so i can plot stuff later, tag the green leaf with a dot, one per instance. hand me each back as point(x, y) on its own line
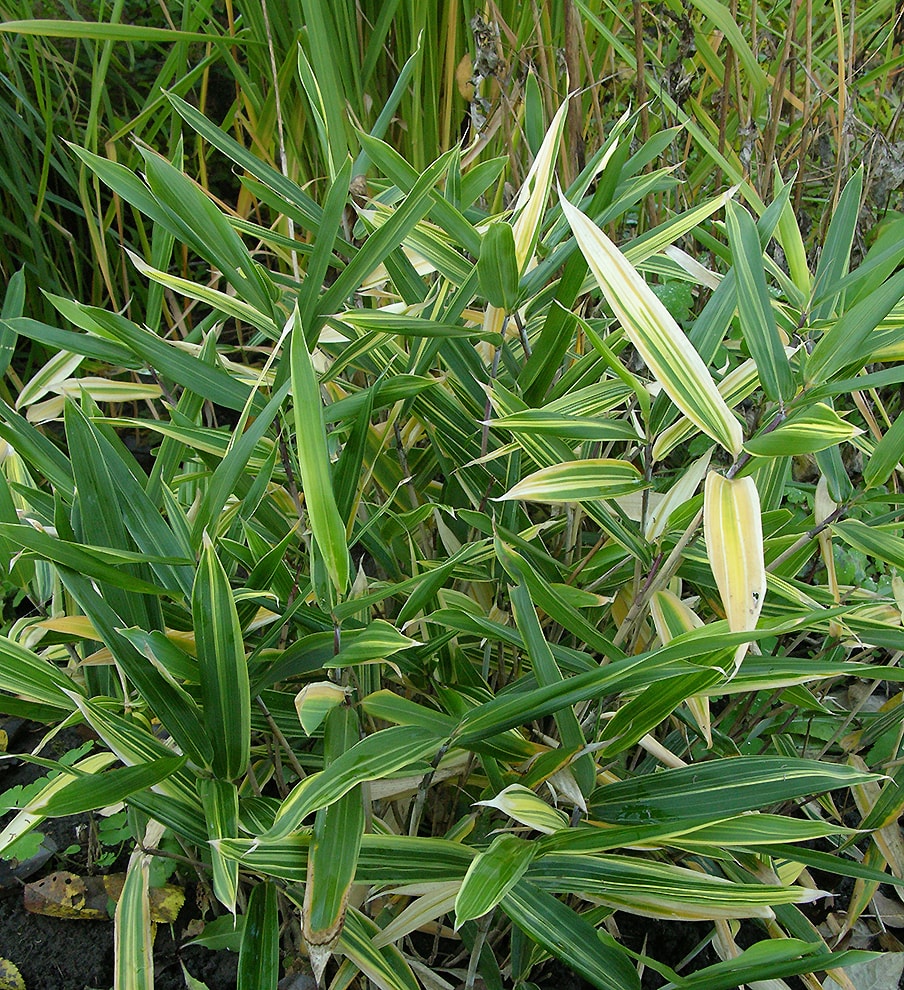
point(195, 220)
point(373, 758)
point(170, 361)
point(722, 17)
point(817, 427)
point(547, 672)
point(565, 426)
point(491, 875)
point(107, 31)
point(313, 459)
point(33, 447)
point(333, 854)
point(497, 267)
point(23, 823)
point(836, 250)
point(735, 785)
point(135, 745)
point(391, 164)
point(220, 799)
point(319, 262)
point(755, 307)
point(845, 344)
point(174, 707)
point(96, 790)
point(25, 674)
point(246, 160)
point(376, 642)
point(234, 467)
point(259, 954)
point(565, 935)
point(879, 543)
point(225, 690)
point(379, 245)
point(96, 562)
point(772, 959)
point(660, 890)
point(886, 457)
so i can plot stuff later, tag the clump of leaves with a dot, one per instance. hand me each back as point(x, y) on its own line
point(422, 617)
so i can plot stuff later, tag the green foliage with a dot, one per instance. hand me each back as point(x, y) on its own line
point(417, 553)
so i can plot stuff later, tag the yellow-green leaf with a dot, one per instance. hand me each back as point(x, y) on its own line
point(817, 428)
point(314, 701)
point(491, 876)
point(578, 481)
point(733, 530)
point(653, 331)
point(524, 806)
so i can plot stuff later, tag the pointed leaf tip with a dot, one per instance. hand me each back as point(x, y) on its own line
point(669, 355)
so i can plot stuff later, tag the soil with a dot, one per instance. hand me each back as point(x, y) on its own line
point(75, 954)
point(56, 954)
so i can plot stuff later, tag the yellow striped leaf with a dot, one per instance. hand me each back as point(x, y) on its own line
point(653, 331)
point(491, 875)
point(732, 529)
point(524, 806)
point(578, 481)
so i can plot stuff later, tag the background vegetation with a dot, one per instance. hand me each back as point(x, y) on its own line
point(448, 583)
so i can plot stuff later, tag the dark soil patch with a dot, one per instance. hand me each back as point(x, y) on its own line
point(53, 954)
point(74, 954)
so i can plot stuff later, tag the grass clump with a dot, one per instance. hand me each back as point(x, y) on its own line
point(486, 578)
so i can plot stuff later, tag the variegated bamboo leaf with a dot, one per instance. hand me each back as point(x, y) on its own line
point(383, 965)
point(313, 459)
point(221, 810)
point(222, 667)
point(653, 331)
point(524, 806)
point(732, 785)
point(816, 428)
point(491, 876)
point(672, 617)
point(373, 758)
point(661, 890)
point(578, 481)
point(732, 528)
point(534, 192)
point(259, 953)
point(314, 701)
point(755, 306)
point(333, 855)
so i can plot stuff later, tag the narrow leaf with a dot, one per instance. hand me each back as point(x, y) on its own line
point(225, 690)
point(313, 460)
point(577, 481)
point(755, 308)
point(658, 338)
point(259, 954)
point(491, 876)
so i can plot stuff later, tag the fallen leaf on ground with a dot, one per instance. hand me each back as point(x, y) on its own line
point(67, 895)
point(880, 973)
point(10, 977)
